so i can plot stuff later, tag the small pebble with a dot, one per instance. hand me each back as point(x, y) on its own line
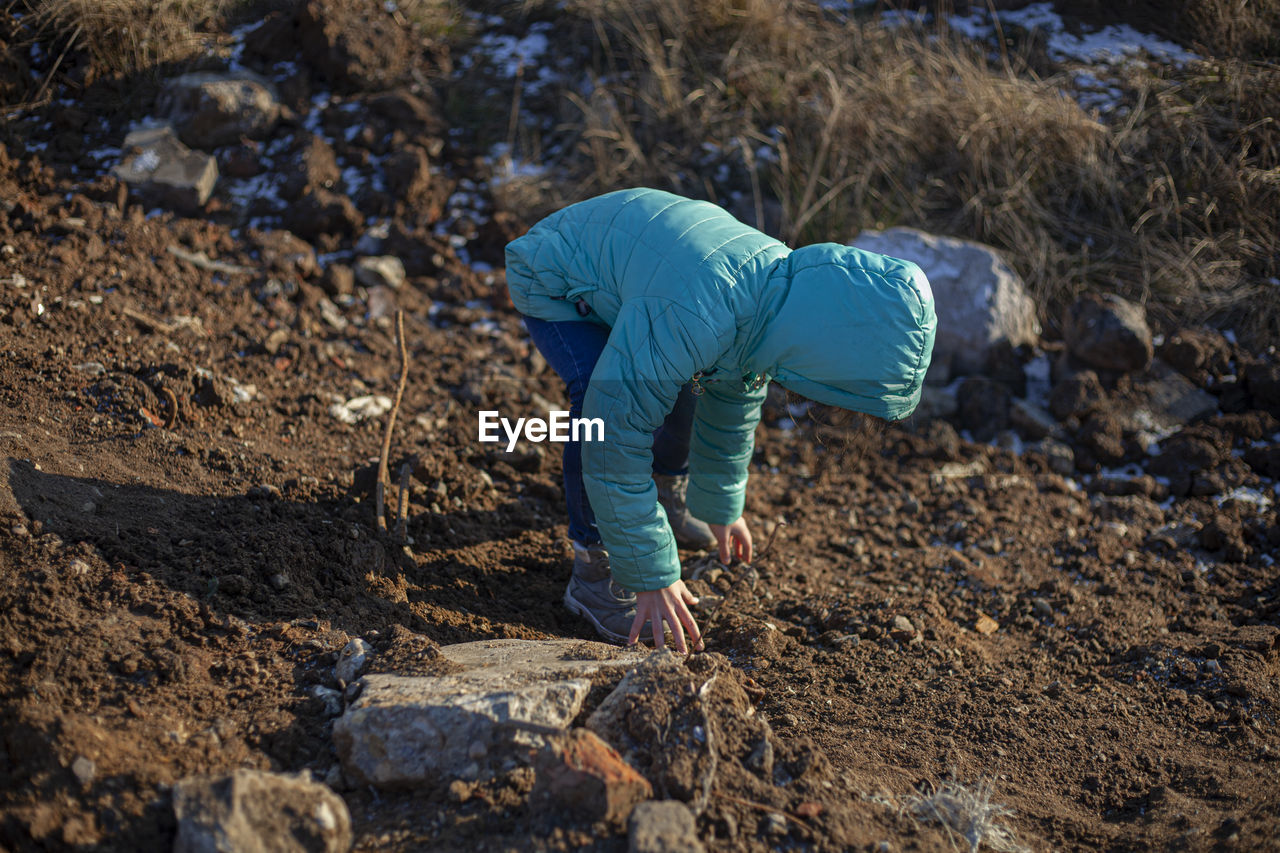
point(20, 530)
point(352, 660)
point(1041, 608)
point(84, 769)
point(773, 824)
point(331, 698)
point(279, 580)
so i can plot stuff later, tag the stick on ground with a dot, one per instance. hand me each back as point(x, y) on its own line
point(380, 489)
point(402, 508)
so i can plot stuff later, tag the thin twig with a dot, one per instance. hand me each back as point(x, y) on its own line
point(772, 533)
point(764, 807)
point(201, 260)
point(48, 78)
point(380, 488)
point(150, 322)
point(171, 402)
point(402, 508)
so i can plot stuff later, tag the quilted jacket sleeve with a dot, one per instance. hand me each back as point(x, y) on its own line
point(720, 451)
point(655, 346)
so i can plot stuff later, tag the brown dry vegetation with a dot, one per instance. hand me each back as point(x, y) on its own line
point(127, 35)
point(1173, 205)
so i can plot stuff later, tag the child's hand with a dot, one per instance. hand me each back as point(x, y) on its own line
point(670, 605)
point(734, 539)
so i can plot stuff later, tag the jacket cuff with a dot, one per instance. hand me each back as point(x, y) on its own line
point(714, 507)
point(656, 570)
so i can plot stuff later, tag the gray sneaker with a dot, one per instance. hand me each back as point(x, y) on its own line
point(689, 532)
point(593, 594)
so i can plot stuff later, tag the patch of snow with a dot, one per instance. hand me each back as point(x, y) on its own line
point(1112, 43)
point(1244, 494)
point(148, 160)
point(247, 191)
point(237, 45)
point(511, 55)
point(1039, 383)
point(1126, 472)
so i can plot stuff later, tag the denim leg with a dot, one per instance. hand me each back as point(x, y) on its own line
point(572, 349)
point(671, 440)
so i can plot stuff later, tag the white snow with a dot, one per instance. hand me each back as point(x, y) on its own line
point(512, 55)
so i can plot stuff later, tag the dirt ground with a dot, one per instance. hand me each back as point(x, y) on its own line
point(187, 539)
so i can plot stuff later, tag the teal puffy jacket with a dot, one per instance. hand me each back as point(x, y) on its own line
point(687, 290)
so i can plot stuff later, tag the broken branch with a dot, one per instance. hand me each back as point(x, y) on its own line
point(402, 508)
point(380, 488)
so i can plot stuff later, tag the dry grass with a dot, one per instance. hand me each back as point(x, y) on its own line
point(1238, 28)
point(868, 127)
point(126, 36)
point(967, 815)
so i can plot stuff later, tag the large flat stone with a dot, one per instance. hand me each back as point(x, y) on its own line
point(167, 172)
point(553, 657)
point(509, 698)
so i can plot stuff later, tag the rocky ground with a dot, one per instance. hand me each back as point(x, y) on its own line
point(1066, 601)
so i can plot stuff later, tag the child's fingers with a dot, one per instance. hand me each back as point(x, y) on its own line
point(669, 614)
point(636, 624)
point(691, 625)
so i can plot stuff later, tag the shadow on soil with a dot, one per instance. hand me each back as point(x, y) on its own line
point(274, 558)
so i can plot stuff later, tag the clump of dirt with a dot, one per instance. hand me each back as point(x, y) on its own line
point(356, 45)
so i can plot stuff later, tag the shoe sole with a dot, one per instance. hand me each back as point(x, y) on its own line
point(581, 609)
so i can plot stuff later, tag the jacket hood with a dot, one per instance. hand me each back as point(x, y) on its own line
point(847, 328)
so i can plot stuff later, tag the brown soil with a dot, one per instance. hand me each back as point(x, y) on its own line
point(188, 540)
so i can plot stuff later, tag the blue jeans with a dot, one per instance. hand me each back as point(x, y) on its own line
point(572, 349)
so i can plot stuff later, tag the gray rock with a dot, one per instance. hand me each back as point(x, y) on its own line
point(165, 171)
point(252, 810)
point(1061, 458)
point(902, 630)
point(1166, 399)
point(84, 770)
point(331, 699)
point(663, 826)
point(773, 824)
point(210, 110)
point(510, 696)
point(980, 299)
point(1031, 420)
point(1076, 395)
point(352, 660)
point(385, 270)
point(1109, 333)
